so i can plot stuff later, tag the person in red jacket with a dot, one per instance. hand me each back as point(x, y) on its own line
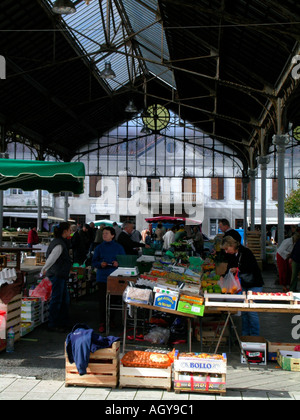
point(33, 237)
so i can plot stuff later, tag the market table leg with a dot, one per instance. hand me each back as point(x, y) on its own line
point(190, 334)
point(107, 312)
point(124, 333)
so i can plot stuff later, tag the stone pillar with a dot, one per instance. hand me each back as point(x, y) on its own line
point(252, 174)
point(246, 181)
point(263, 162)
point(281, 141)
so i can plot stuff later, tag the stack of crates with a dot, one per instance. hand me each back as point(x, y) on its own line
point(31, 314)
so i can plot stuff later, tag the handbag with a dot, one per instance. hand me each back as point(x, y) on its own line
point(247, 279)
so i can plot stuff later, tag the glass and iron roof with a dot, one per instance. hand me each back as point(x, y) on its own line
point(104, 32)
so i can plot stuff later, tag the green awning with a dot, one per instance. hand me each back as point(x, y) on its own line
point(30, 175)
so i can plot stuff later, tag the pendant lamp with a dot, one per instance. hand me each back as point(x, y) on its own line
point(131, 108)
point(63, 7)
point(108, 72)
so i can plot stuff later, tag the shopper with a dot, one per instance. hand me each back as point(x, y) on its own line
point(33, 237)
point(283, 260)
point(130, 247)
point(105, 260)
point(57, 269)
point(118, 230)
point(80, 245)
point(169, 238)
point(244, 262)
point(181, 234)
point(198, 240)
point(295, 261)
point(224, 226)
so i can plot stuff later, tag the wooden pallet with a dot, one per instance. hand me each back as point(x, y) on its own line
point(135, 377)
point(254, 244)
point(13, 311)
point(102, 370)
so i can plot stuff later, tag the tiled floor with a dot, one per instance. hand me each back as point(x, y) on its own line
point(242, 384)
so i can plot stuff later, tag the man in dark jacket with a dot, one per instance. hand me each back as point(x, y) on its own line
point(229, 231)
point(130, 247)
point(295, 260)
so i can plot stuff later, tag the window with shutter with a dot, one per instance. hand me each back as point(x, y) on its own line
point(217, 188)
point(153, 185)
point(275, 189)
point(124, 186)
point(239, 189)
point(95, 186)
point(189, 189)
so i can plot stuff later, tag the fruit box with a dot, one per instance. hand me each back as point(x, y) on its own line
point(201, 364)
point(289, 360)
point(165, 298)
point(199, 382)
point(273, 349)
point(255, 349)
point(190, 308)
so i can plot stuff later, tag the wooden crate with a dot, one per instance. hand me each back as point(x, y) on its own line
point(136, 377)
point(254, 243)
point(117, 285)
point(272, 300)
point(13, 311)
point(226, 300)
point(102, 370)
point(40, 258)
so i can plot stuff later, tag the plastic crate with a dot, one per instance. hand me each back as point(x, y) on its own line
point(148, 251)
point(127, 260)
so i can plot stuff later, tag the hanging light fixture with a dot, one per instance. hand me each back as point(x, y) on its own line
point(108, 72)
point(131, 108)
point(64, 7)
point(145, 130)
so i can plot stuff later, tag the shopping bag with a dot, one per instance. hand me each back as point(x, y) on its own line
point(43, 290)
point(230, 284)
point(2, 325)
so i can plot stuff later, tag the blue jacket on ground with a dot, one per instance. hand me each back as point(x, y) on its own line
point(81, 342)
point(106, 252)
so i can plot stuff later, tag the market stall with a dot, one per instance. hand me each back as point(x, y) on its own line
point(29, 176)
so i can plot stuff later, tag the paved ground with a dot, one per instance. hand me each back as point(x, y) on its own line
point(36, 369)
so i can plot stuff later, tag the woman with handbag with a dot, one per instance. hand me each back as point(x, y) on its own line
point(243, 261)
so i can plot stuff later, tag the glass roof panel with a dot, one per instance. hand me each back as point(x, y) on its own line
point(89, 27)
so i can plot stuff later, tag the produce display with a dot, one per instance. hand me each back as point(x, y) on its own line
point(202, 356)
point(173, 276)
point(148, 359)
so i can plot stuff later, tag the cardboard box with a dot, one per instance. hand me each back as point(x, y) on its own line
point(201, 365)
point(203, 383)
point(165, 298)
point(255, 349)
point(289, 360)
point(190, 308)
point(273, 349)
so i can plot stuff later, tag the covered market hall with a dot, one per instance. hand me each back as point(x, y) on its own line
point(170, 128)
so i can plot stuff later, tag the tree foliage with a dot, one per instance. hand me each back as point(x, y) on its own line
point(292, 202)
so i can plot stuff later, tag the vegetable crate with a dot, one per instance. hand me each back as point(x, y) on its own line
point(137, 377)
point(13, 317)
point(200, 373)
point(102, 370)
